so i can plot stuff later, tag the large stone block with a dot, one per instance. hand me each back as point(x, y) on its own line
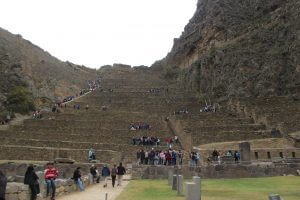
point(170, 177)
point(197, 181)
point(191, 191)
point(180, 184)
point(274, 197)
point(174, 182)
point(12, 188)
point(245, 150)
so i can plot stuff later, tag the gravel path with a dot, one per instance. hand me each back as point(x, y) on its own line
point(96, 192)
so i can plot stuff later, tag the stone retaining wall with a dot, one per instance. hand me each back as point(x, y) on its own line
point(19, 191)
point(218, 171)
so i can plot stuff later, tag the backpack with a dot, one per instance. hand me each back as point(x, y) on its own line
point(113, 172)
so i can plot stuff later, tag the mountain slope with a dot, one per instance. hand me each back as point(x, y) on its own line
point(239, 49)
point(23, 63)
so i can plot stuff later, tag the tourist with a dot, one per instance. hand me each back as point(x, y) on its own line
point(3, 183)
point(180, 157)
point(138, 157)
point(94, 172)
point(192, 159)
point(146, 157)
point(176, 139)
point(215, 155)
point(237, 157)
point(174, 157)
point(120, 173)
point(51, 174)
point(86, 107)
point(197, 159)
point(105, 174)
point(92, 155)
point(168, 158)
point(77, 179)
point(113, 175)
point(31, 179)
point(156, 158)
point(162, 158)
point(143, 157)
point(229, 153)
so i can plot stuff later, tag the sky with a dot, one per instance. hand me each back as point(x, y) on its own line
point(99, 32)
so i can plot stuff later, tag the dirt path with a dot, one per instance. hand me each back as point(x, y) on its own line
point(96, 192)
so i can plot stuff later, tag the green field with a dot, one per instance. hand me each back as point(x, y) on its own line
point(223, 189)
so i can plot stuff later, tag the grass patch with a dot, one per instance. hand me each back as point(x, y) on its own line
point(148, 190)
point(222, 189)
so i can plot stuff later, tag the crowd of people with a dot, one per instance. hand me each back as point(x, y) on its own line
point(216, 156)
point(51, 174)
point(146, 141)
point(139, 126)
point(37, 114)
point(168, 157)
point(210, 108)
point(4, 121)
point(154, 90)
point(194, 159)
point(181, 112)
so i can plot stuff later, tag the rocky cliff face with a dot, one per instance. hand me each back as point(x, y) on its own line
point(22, 63)
point(243, 48)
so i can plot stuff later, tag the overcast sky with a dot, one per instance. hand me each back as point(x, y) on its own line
point(98, 32)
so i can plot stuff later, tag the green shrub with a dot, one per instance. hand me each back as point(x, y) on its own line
point(20, 100)
point(171, 72)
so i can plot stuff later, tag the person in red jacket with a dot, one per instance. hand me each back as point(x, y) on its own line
point(51, 174)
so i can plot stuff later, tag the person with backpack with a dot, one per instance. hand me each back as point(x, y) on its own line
point(3, 183)
point(77, 179)
point(113, 175)
point(51, 174)
point(31, 179)
point(105, 174)
point(120, 173)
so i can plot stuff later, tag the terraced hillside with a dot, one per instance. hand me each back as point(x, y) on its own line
point(73, 132)
point(125, 92)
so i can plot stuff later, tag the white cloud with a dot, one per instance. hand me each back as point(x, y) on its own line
point(98, 32)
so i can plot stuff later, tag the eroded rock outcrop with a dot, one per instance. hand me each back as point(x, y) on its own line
point(240, 49)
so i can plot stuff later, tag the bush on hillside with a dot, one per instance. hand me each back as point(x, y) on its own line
point(171, 72)
point(20, 100)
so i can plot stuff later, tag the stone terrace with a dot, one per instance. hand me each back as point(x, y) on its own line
point(72, 132)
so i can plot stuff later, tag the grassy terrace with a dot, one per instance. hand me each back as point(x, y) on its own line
point(224, 189)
